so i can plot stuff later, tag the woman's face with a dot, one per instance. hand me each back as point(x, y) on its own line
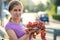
point(16, 11)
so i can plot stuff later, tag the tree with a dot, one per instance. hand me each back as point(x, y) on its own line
point(56, 3)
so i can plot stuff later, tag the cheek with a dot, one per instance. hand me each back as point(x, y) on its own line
point(13, 14)
point(20, 14)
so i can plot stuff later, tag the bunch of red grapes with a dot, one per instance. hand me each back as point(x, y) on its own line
point(39, 28)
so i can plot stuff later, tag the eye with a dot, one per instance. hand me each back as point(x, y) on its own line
point(15, 9)
point(19, 9)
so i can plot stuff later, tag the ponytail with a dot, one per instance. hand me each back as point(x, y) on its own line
point(10, 19)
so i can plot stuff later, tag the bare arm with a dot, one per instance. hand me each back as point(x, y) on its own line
point(12, 35)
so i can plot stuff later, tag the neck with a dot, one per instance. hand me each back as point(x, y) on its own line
point(15, 20)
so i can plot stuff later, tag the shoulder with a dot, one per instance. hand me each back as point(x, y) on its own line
point(8, 26)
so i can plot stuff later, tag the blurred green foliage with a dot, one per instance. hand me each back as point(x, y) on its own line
point(56, 4)
point(33, 8)
point(56, 17)
point(50, 7)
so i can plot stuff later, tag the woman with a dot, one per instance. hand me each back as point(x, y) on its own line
point(13, 28)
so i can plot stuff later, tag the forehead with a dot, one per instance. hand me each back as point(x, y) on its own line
point(18, 7)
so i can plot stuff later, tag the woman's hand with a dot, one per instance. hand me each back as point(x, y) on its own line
point(30, 31)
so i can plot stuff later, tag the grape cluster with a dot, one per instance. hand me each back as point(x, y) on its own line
point(39, 28)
